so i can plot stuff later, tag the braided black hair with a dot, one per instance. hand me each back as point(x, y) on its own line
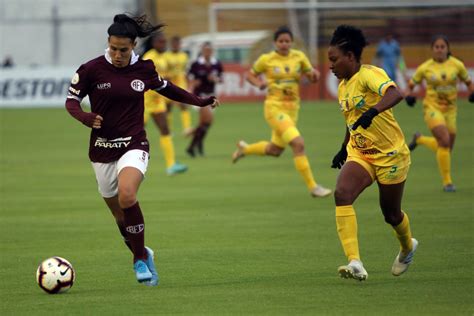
point(132, 27)
point(349, 39)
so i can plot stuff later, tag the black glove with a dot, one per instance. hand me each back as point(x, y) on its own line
point(410, 100)
point(365, 119)
point(471, 97)
point(340, 158)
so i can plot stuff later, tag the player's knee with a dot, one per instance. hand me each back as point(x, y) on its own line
point(343, 196)
point(127, 197)
point(393, 217)
point(297, 145)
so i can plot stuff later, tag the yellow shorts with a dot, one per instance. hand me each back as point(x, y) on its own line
point(435, 117)
point(386, 170)
point(283, 125)
point(154, 103)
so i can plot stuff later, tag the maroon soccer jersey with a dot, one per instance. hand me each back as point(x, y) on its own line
point(116, 94)
point(200, 70)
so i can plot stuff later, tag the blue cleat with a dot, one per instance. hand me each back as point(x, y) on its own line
point(449, 188)
point(142, 271)
point(155, 279)
point(176, 169)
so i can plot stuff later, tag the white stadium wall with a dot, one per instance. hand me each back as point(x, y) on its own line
point(27, 30)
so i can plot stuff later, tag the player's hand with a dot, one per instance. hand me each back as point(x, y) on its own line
point(340, 158)
point(211, 101)
point(410, 100)
point(471, 97)
point(262, 85)
point(365, 119)
point(313, 76)
point(93, 120)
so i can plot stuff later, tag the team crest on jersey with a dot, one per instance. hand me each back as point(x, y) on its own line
point(287, 69)
point(137, 85)
point(75, 78)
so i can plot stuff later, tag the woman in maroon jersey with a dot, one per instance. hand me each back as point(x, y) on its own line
point(203, 75)
point(115, 83)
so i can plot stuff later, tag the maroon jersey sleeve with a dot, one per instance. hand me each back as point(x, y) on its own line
point(155, 81)
point(192, 73)
point(77, 91)
point(79, 84)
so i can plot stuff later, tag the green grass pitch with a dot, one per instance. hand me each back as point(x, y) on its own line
point(230, 239)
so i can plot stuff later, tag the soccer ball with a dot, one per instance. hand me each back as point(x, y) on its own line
point(55, 275)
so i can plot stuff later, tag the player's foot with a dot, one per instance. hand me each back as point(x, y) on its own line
point(320, 191)
point(412, 145)
point(449, 188)
point(239, 152)
point(402, 262)
point(176, 169)
point(354, 270)
point(151, 266)
point(200, 149)
point(142, 272)
point(190, 152)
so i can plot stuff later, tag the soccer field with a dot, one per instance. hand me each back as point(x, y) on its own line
point(229, 239)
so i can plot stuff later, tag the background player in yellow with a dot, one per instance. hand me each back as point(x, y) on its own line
point(155, 106)
point(283, 69)
point(177, 64)
point(441, 74)
point(374, 149)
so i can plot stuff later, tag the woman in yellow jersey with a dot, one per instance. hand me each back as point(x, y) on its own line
point(283, 69)
point(155, 106)
point(177, 65)
point(441, 74)
point(374, 149)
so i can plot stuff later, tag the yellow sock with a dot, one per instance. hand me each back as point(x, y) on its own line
point(256, 148)
point(185, 120)
point(167, 146)
point(346, 223)
point(403, 233)
point(443, 156)
point(303, 167)
point(428, 141)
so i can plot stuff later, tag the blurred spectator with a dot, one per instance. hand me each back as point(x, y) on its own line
point(389, 57)
point(8, 62)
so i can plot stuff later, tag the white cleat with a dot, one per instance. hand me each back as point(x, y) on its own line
point(320, 191)
point(239, 153)
point(354, 270)
point(401, 264)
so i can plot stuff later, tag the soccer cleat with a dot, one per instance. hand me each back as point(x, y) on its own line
point(239, 153)
point(190, 152)
point(142, 272)
point(176, 169)
point(151, 266)
point(449, 188)
point(354, 270)
point(412, 145)
point(401, 264)
point(320, 191)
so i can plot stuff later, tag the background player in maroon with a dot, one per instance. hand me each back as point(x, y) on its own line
point(118, 149)
point(203, 74)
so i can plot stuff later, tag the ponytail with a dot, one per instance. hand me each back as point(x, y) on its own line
point(132, 27)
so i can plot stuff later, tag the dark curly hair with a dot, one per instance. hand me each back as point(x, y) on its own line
point(282, 30)
point(349, 39)
point(132, 27)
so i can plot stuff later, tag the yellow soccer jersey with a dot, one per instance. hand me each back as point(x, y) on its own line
point(177, 63)
point(361, 92)
point(160, 61)
point(283, 74)
point(441, 80)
